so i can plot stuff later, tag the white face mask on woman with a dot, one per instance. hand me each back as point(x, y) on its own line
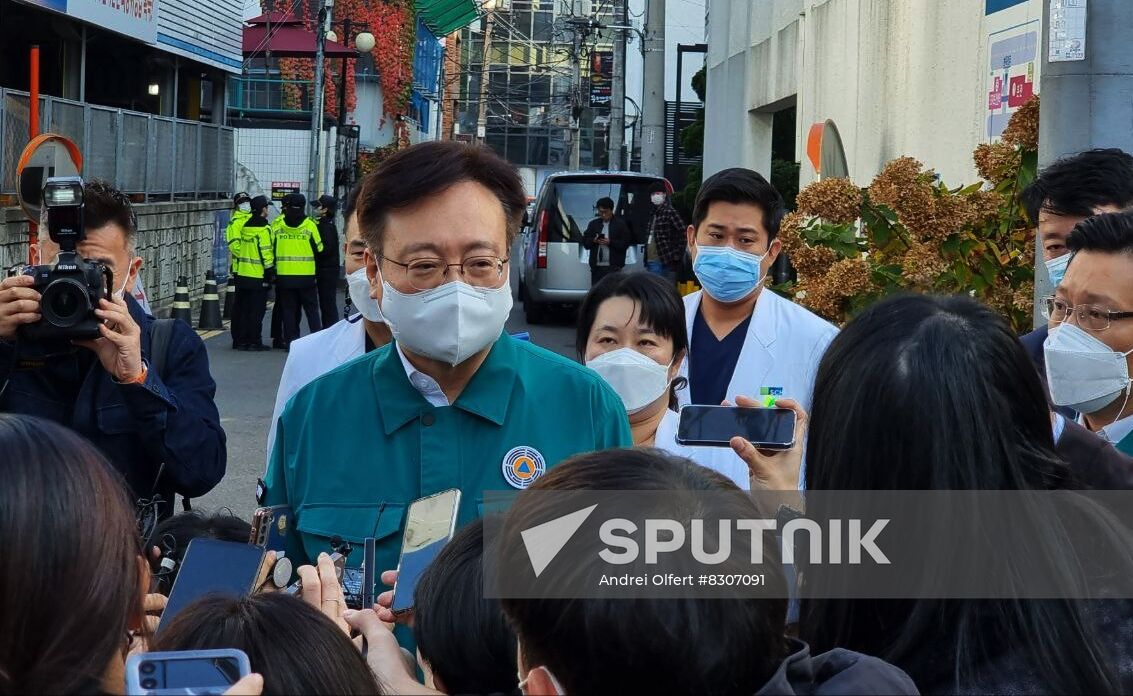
point(451, 322)
point(637, 378)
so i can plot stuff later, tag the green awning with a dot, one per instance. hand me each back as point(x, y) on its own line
point(446, 16)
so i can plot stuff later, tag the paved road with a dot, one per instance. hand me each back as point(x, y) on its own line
point(246, 386)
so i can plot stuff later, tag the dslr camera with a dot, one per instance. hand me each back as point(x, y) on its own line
point(72, 288)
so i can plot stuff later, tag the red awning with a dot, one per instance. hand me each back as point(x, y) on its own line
point(289, 41)
point(275, 18)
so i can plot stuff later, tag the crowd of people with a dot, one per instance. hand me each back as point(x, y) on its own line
point(430, 393)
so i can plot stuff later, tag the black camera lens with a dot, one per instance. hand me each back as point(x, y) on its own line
point(149, 683)
point(65, 303)
point(147, 668)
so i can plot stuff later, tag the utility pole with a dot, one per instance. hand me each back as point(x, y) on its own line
point(618, 90)
point(482, 115)
point(653, 105)
point(576, 86)
point(317, 106)
point(1085, 102)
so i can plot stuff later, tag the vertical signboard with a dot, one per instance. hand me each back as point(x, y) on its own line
point(1013, 46)
point(601, 72)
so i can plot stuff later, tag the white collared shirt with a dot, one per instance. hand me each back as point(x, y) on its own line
point(1114, 432)
point(423, 383)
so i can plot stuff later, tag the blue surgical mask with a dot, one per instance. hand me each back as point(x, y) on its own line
point(1056, 269)
point(727, 274)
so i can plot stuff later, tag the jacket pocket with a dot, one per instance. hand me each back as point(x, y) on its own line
point(116, 419)
point(351, 522)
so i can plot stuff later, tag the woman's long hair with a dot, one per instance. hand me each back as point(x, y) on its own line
point(936, 393)
point(71, 579)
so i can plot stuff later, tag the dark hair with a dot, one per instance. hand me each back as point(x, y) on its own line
point(296, 648)
point(351, 202)
point(739, 185)
point(659, 187)
point(173, 535)
point(422, 171)
point(1108, 233)
point(460, 632)
point(103, 204)
point(936, 393)
point(644, 645)
point(71, 583)
point(605, 202)
point(658, 302)
point(1076, 184)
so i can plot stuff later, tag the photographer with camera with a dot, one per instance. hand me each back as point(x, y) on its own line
point(76, 348)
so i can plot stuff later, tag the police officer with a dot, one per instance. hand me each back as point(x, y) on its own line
point(454, 402)
point(254, 268)
point(297, 241)
point(327, 262)
point(241, 211)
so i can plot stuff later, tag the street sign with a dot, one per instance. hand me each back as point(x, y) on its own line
point(279, 189)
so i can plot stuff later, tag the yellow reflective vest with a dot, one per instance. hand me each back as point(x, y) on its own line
point(232, 234)
point(251, 249)
point(295, 247)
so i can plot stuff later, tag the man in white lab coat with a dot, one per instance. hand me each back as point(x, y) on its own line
point(744, 340)
point(364, 329)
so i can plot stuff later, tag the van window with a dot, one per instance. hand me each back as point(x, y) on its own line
point(571, 206)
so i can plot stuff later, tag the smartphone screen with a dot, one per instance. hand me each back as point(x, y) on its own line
point(188, 671)
point(210, 567)
point(715, 426)
point(428, 527)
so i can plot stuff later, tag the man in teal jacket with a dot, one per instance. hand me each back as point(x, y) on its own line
point(454, 402)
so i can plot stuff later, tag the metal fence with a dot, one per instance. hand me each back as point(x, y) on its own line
point(157, 157)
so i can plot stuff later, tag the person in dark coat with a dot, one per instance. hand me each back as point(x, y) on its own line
point(327, 261)
point(607, 238)
point(159, 428)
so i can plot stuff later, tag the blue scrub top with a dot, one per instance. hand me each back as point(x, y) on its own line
point(357, 445)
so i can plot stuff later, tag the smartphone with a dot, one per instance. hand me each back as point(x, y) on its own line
point(185, 671)
point(429, 525)
point(270, 527)
point(715, 426)
point(369, 570)
point(212, 567)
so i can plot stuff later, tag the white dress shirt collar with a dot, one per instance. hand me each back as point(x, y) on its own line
point(423, 383)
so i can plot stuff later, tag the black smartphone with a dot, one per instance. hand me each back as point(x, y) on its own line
point(185, 671)
point(369, 571)
point(429, 525)
point(270, 527)
point(212, 567)
point(715, 426)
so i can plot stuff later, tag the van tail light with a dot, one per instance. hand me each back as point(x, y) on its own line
point(544, 232)
point(668, 186)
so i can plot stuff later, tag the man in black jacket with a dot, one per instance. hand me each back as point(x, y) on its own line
point(327, 261)
point(607, 238)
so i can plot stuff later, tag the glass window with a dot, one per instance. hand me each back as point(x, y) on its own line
point(572, 205)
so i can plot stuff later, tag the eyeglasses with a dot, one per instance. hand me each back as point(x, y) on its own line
point(1092, 317)
point(429, 273)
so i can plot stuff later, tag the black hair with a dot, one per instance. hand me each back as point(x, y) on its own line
point(605, 202)
point(936, 393)
point(739, 185)
point(686, 644)
point(659, 187)
point(460, 632)
point(659, 304)
point(1076, 184)
point(296, 648)
point(1109, 233)
point(71, 583)
point(422, 171)
point(173, 535)
point(103, 204)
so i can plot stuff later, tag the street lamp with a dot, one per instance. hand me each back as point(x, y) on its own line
point(364, 42)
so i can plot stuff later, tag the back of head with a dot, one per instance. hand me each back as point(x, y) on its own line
point(296, 648)
point(71, 583)
point(739, 185)
point(461, 633)
point(1076, 184)
point(684, 644)
point(294, 209)
point(939, 382)
point(416, 173)
point(173, 535)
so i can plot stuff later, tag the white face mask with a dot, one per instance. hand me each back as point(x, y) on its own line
point(657, 198)
point(1056, 268)
point(359, 287)
point(245, 207)
point(450, 323)
point(637, 378)
point(1081, 371)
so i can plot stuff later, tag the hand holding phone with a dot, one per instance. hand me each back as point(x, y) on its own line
point(715, 426)
point(185, 671)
